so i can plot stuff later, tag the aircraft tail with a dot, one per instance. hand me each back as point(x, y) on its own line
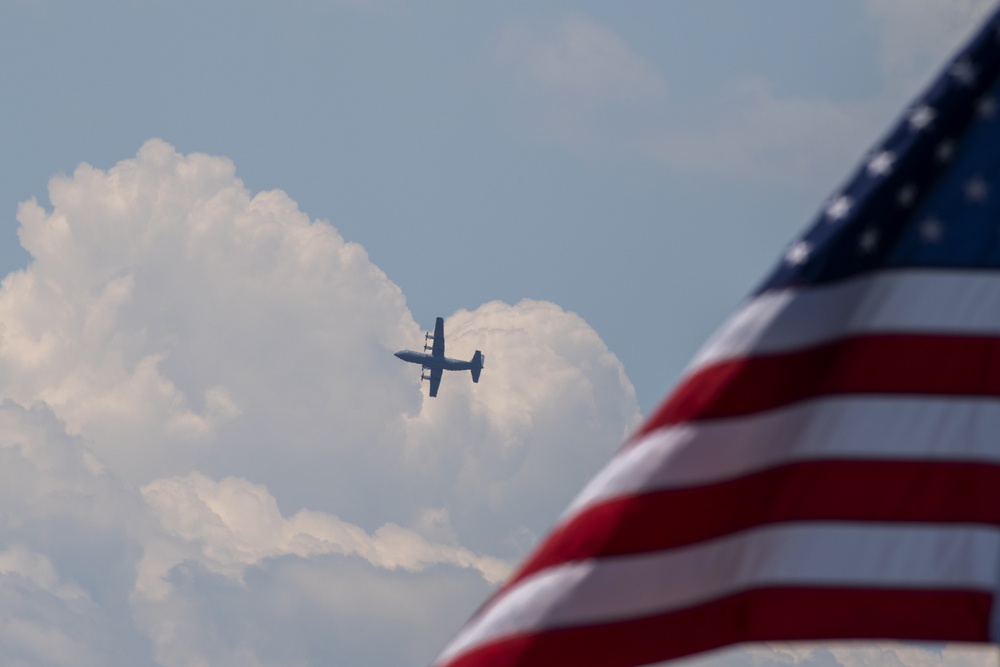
point(477, 365)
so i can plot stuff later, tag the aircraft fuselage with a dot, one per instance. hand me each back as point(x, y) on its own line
point(432, 362)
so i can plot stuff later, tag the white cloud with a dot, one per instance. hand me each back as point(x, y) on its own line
point(162, 292)
point(209, 455)
point(317, 611)
point(230, 524)
point(67, 555)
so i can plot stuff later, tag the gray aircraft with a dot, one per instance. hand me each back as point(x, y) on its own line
point(436, 362)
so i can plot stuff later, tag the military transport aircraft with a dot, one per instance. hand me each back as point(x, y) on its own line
point(436, 362)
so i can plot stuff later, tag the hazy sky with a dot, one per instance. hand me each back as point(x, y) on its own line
point(221, 218)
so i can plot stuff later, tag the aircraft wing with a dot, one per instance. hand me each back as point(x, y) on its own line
point(435, 380)
point(437, 349)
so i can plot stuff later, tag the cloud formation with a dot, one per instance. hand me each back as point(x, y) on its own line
point(210, 455)
point(230, 524)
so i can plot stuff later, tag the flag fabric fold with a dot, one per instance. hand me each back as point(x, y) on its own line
point(829, 466)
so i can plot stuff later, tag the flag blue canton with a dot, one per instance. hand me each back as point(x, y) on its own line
point(928, 195)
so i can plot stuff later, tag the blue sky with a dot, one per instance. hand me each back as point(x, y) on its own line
point(410, 131)
point(219, 219)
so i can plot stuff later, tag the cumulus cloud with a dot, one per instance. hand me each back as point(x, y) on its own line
point(316, 611)
point(67, 549)
point(230, 524)
point(210, 456)
point(141, 274)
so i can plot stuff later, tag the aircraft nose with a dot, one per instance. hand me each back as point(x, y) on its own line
point(399, 354)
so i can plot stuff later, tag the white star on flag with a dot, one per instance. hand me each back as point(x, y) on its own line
point(840, 207)
point(987, 107)
point(945, 150)
point(921, 117)
point(977, 190)
point(798, 253)
point(907, 195)
point(868, 241)
point(931, 230)
point(881, 164)
point(964, 73)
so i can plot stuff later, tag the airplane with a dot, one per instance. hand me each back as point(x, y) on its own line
point(436, 362)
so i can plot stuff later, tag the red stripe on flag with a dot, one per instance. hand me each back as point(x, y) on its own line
point(877, 491)
point(771, 614)
point(882, 364)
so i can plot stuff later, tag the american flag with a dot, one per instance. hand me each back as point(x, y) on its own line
point(829, 467)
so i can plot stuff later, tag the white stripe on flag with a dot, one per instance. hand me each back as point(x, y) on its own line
point(831, 428)
point(942, 302)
